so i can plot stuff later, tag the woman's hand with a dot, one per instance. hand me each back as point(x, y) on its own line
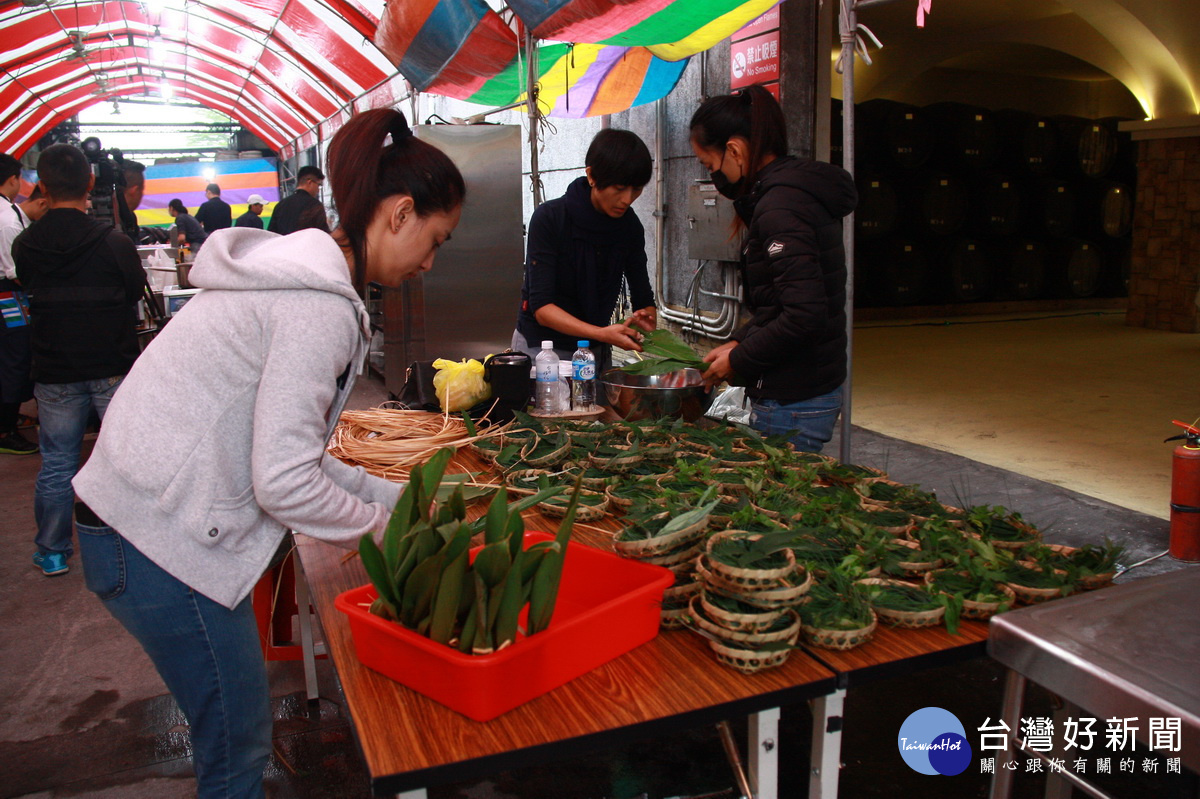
point(646, 318)
point(718, 364)
point(623, 336)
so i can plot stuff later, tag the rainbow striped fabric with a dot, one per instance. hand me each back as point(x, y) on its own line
point(620, 54)
point(237, 179)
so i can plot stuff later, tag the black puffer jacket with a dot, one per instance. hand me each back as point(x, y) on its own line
point(794, 271)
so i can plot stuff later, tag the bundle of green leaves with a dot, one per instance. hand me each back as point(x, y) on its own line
point(663, 352)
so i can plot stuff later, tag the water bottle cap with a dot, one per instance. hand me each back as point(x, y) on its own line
point(581, 344)
point(547, 345)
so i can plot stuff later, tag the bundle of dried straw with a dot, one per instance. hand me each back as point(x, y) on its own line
point(388, 442)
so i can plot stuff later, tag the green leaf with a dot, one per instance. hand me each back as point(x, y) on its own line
point(419, 591)
point(373, 562)
point(466, 638)
point(445, 605)
point(495, 522)
point(512, 599)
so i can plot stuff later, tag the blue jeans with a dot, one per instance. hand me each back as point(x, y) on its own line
point(209, 657)
point(808, 423)
point(63, 410)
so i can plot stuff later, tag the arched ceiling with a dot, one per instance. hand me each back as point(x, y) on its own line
point(1150, 46)
point(279, 67)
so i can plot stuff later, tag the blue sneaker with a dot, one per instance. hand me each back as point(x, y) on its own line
point(52, 564)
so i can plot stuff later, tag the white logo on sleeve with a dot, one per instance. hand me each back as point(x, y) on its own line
point(774, 248)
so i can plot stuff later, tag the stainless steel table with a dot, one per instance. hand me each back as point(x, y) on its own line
point(1129, 651)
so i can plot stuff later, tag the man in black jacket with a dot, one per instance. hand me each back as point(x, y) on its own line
point(302, 210)
point(214, 214)
point(84, 279)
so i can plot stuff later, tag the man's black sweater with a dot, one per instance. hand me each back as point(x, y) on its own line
point(84, 280)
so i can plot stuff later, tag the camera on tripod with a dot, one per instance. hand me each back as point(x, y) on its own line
point(110, 179)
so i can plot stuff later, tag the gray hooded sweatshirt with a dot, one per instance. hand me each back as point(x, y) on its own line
point(214, 445)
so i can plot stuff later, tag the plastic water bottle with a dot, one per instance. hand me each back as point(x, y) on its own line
point(583, 377)
point(546, 367)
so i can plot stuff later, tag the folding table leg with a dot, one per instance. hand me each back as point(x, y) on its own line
point(1056, 786)
point(764, 753)
point(826, 745)
point(1014, 697)
point(306, 634)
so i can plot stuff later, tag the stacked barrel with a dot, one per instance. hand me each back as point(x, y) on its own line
point(960, 204)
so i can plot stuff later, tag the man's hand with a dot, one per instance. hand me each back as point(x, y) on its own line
point(623, 336)
point(718, 364)
point(646, 318)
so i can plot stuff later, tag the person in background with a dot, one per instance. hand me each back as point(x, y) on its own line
point(581, 248)
point(188, 230)
point(302, 210)
point(16, 386)
point(135, 188)
point(36, 205)
point(253, 215)
point(84, 280)
point(196, 478)
point(214, 214)
point(791, 354)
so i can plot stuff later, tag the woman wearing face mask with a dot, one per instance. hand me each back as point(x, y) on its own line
point(580, 248)
point(215, 444)
point(791, 355)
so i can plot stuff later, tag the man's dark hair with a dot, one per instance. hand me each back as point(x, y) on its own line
point(309, 172)
point(64, 171)
point(213, 188)
point(9, 166)
point(36, 194)
point(619, 158)
point(177, 206)
point(135, 172)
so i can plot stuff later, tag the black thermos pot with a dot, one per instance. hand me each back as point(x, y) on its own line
point(508, 374)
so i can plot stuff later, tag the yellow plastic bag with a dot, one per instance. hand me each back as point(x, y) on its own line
point(459, 384)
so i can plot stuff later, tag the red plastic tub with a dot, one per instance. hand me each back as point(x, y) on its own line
point(607, 605)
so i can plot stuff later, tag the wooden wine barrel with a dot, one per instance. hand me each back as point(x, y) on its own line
point(1118, 263)
point(1124, 164)
point(1028, 142)
point(892, 135)
point(1023, 272)
point(1075, 267)
point(1089, 146)
point(997, 207)
point(1051, 206)
point(878, 211)
point(942, 203)
point(1110, 211)
point(892, 271)
point(966, 269)
point(966, 136)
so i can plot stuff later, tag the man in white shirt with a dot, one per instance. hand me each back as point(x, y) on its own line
point(16, 386)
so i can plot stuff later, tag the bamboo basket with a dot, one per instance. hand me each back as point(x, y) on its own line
point(1028, 595)
point(748, 661)
point(618, 502)
point(840, 640)
point(687, 591)
point(678, 561)
point(982, 611)
point(662, 544)
point(758, 459)
point(616, 463)
point(917, 568)
point(740, 622)
point(908, 619)
point(512, 481)
point(731, 489)
point(550, 459)
point(583, 513)
point(782, 594)
point(673, 618)
point(788, 633)
point(747, 578)
point(1086, 583)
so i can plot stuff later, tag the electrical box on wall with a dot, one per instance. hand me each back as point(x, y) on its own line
point(710, 223)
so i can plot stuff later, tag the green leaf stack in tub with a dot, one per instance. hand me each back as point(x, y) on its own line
point(663, 352)
point(427, 582)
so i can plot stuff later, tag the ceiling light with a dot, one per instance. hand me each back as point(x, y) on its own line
point(164, 89)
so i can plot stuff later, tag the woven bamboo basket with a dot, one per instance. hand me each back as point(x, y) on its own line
point(556, 456)
point(617, 463)
point(982, 611)
point(618, 502)
point(673, 617)
point(1092, 582)
point(583, 513)
point(1027, 595)
point(840, 640)
point(740, 622)
point(749, 458)
point(789, 624)
point(662, 544)
point(678, 561)
point(486, 448)
point(909, 619)
point(514, 479)
point(748, 661)
point(731, 489)
point(788, 593)
point(685, 590)
point(747, 578)
point(916, 568)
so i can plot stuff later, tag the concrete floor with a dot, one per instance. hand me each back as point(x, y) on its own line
point(85, 714)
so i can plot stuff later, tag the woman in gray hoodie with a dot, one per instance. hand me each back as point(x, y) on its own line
point(215, 444)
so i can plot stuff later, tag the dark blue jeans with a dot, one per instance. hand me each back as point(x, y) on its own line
point(63, 410)
point(209, 657)
point(809, 422)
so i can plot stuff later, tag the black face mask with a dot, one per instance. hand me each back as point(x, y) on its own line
point(727, 188)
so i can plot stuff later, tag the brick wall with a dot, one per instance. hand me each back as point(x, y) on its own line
point(1164, 280)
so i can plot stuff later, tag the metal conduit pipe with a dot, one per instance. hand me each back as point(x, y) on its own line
point(723, 325)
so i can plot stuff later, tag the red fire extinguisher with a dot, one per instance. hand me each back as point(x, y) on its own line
point(1185, 494)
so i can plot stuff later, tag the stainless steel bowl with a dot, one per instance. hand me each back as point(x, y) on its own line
point(674, 395)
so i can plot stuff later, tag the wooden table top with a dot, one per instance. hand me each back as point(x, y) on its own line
point(672, 682)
